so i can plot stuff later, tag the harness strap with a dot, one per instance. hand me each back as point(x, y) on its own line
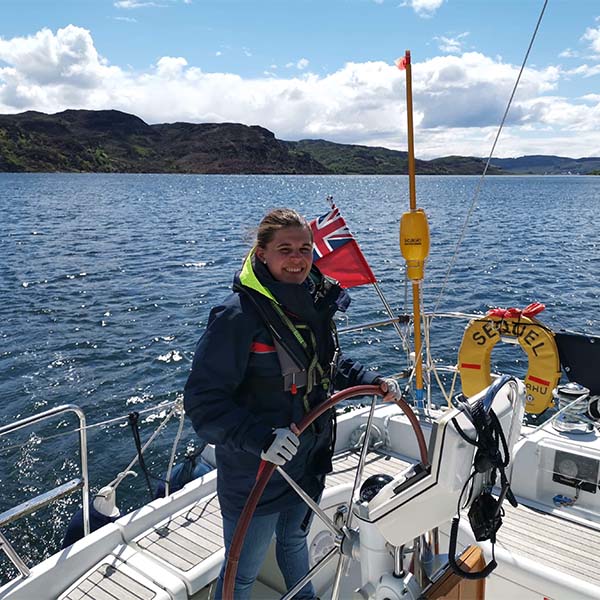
point(297, 372)
point(267, 320)
point(300, 338)
point(314, 364)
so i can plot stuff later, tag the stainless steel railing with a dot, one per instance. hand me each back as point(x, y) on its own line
point(33, 504)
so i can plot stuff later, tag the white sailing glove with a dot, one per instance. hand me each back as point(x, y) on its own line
point(391, 388)
point(282, 448)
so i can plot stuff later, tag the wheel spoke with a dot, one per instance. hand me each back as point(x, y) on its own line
point(311, 573)
point(363, 456)
point(313, 505)
point(337, 581)
point(338, 531)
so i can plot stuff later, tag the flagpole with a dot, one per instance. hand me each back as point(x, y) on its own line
point(388, 310)
point(414, 236)
point(375, 284)
point(367, 274)
point(412, 187)
point(412, 180)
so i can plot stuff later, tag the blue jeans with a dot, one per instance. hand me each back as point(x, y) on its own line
point(291, 550)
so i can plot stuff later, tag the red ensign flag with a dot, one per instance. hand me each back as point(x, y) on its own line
point(336, 252)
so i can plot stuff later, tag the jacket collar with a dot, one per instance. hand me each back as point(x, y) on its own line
point(323, 290)
point(248, 277)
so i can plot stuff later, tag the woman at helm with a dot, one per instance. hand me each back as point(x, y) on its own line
point(268, 355)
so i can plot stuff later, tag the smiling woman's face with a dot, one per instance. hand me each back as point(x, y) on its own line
point(288, 255)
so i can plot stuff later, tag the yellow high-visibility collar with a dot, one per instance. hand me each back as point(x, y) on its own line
point(249, 279)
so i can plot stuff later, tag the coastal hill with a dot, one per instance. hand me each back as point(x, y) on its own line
point(548, 165)
point(110, 141)
point(373, 160)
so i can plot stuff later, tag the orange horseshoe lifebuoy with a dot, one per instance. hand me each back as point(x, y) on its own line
point(481, 335)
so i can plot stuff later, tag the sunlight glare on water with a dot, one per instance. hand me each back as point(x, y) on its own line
point(107, 282)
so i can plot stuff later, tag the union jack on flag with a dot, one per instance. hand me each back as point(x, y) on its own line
point(336, 252)
point(330, 232)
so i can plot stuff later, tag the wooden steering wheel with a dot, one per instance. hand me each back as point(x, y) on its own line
point(266, 469)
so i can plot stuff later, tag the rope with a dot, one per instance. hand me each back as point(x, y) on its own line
point(115, 483)
point(173, 451)
point(487, 164)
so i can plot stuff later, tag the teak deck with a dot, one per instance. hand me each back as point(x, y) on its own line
point(195, 534)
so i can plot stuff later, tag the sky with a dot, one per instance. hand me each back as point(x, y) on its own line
point(319, 69)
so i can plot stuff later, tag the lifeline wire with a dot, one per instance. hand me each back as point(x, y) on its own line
point(136, 458)
point(92, 426)
point(487, 164)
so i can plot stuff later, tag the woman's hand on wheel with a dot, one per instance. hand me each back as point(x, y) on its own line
point(282, 447)
point(390, 388)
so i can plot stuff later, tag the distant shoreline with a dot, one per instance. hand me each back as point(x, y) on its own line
point(110, 141)
point(119, 174)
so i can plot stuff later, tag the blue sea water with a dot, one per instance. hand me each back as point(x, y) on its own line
point(106, 283)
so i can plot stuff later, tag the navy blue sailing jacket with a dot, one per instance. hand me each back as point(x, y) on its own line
point(237, 347)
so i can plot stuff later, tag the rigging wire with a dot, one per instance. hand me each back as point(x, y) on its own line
point(487, 164)
point(431, 364)
point(474, 202)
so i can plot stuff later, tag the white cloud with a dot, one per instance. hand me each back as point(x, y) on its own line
point(458, 100)
point(424, 8)
point(299, 64)
point(451, 45)
point(47, 59)
point(592, 36)
point(584, 70)
point(133, 4)
point(130, 4)
point(126, 19)
point(218, 53)
point(171, 67)
point(569, 53)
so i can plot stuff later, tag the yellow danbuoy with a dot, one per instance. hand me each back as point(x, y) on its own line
point(414, 242)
